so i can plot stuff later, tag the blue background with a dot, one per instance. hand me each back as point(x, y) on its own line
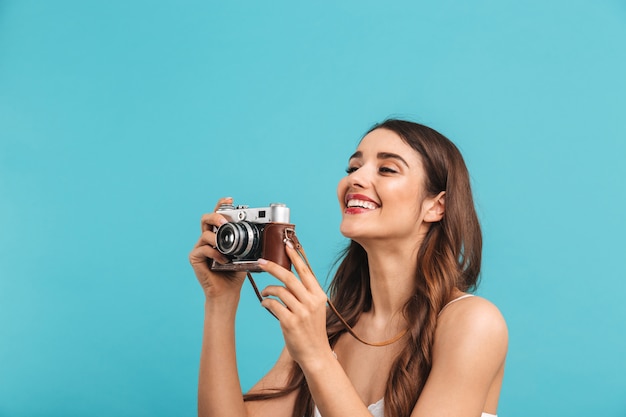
point(121, 122)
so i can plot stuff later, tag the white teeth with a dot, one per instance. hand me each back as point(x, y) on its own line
point(360, 203)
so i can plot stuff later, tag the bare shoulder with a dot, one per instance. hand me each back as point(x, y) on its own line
point(472, 323)
point(468, 356)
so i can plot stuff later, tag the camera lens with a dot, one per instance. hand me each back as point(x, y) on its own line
point(238, 240)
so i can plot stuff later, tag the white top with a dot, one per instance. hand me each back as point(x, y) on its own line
point(378, 408)
point(454, 301)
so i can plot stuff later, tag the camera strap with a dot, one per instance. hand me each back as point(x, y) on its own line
point(290, 235)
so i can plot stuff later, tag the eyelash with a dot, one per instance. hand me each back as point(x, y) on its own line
point(383, 170)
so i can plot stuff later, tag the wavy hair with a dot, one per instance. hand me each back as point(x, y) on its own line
point(449, 257)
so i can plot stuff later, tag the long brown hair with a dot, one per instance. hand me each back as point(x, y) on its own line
point(449, 258)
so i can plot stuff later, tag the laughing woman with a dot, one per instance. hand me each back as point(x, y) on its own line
point(415, 342)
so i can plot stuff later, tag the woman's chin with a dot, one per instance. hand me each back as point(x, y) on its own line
point(346, 232)
point(352, 233)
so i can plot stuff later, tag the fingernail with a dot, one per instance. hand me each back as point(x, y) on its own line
point(289, 243)
point(222, 221)
point(261, 261)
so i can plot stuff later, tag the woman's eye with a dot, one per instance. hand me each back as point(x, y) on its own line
point(387, 170)
point(350, 170)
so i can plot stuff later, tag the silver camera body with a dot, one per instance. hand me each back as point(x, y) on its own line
point(250, 234)
point(275, 213)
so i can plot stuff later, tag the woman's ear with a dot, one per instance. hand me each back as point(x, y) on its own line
point(435, 208)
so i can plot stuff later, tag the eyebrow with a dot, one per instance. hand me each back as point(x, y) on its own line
point(382, 155)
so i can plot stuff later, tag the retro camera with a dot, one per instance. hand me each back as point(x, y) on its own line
point(250, 234)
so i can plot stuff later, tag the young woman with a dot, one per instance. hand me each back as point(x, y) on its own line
point(420, 345)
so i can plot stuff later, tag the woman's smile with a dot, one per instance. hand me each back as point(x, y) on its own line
point(359, 203)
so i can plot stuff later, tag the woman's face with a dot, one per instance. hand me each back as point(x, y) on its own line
point(382, 196)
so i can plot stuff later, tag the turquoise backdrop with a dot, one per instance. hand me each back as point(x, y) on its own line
point(121, 122)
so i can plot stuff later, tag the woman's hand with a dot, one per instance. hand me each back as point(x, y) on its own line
point(215, 284)
point(301, 309)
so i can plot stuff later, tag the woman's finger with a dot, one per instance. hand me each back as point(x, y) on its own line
point(302, 268)
point(206, 238)
point(283, 294)
point(276, 308)
point(204, 252)
point(223, 200)
point(211, 220)
point(292, 283)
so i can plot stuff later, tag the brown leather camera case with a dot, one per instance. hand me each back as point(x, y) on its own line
point(273, 249)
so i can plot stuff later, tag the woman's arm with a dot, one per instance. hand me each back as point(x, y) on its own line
point(276, 378)
point(468, 360)
point(219, 392)
point(302, 315)
point(219, 389)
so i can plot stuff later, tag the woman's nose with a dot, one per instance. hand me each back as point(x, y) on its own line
point(359, 178)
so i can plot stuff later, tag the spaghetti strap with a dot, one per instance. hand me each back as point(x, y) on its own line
point(454, 301)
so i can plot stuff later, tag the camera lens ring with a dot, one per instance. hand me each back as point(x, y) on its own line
point(237, 239)
point(251, 240)
point(227, 239)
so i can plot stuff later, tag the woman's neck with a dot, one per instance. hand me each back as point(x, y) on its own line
point(392, 272)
